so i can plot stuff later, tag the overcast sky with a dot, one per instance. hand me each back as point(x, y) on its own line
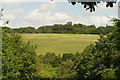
point(23, 14)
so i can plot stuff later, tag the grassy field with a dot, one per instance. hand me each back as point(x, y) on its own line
point(60, 43)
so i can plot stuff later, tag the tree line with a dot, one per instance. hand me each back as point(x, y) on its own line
point(67, 28)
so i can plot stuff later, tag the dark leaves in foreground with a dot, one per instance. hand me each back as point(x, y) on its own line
point(91, 5)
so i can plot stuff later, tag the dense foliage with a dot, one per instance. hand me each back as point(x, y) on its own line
point(67, 28)
point(18, 58)
point(102, 60)
point(56, 66)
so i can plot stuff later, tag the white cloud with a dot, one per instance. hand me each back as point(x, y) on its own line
point(43, 18)
point(43, 15)
point(12, 14)
point(97, 20)
point(61, 17)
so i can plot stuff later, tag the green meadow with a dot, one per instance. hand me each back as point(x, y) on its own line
point(60, 43)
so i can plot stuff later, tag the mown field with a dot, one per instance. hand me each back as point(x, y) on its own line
point(60, 43)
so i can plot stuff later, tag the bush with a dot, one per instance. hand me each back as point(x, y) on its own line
point(18, 58)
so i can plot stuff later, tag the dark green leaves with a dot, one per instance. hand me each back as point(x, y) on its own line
point(91, 5)
point(109, 4)
point(101, 61)
point(18, 58)
point(73, 3)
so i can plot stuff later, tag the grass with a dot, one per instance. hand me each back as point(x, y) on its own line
point(60, 43)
